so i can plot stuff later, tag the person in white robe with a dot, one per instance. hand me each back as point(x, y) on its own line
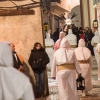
point(95, 40)
point(72, 39)
point(98, 60)
point(65, 62)
point(57, 44)
point(14, 85)
point(49, 43)
point(84, 58)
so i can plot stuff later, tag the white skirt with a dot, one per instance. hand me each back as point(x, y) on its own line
point(67, 85)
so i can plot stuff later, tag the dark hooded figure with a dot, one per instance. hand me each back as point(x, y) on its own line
point(88, 37)
point(56, 35)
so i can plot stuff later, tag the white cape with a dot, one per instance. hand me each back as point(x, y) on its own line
point(13, 84)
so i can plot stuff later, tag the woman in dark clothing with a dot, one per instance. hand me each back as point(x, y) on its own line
point(82, 35)
point(88, 37)
point(38, 60)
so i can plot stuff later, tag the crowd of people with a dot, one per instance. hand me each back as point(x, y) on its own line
point(71, 56)
point(87, 34)
point(73, 51)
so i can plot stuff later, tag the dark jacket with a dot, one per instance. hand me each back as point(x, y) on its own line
point(17, 63)
point(38, 59)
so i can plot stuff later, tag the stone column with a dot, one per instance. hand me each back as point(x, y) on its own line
point(87, 13)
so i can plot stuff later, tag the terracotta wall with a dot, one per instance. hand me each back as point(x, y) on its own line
point(23, 30)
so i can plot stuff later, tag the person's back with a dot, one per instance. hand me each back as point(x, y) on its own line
point(64, 66)
point(98, 59)
point(95, 40)
point(72, 39)
point(55, 35)
point(13, 84)
point(57, 43)
point(84, 58)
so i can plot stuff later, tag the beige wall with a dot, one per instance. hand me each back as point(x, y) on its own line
point(68, 4)
point(85, 13)
point(76, 20)
point(92, 12)
point(23, 30)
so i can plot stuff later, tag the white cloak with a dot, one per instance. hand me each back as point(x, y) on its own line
point(83, 53)
point(95, 39)
point(72, 39)
point(49, 43)
point(66, 78)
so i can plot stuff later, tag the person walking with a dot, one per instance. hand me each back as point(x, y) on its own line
point(64, 66)
point(84, 58)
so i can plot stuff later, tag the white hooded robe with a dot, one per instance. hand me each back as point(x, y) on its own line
point(83, 53)
point(13, 84)
point(66, 78)
point(95, 39)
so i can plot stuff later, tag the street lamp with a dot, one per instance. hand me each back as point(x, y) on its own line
point(95, 24)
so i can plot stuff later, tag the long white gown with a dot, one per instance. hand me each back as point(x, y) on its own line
point(95, 40)
point(98, 60)
point(13, 84)
point(84, 54)
point(49, 43)
point(71, 38)
point(66, 78)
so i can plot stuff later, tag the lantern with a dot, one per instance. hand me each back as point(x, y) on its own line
point(80, 83)
point(95, 24)
point(45, 26)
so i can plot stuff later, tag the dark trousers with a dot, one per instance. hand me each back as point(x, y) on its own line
point(39, 76)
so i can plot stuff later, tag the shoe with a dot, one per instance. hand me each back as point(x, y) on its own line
point(42, 94)
point(84, 93)
point(38, 96)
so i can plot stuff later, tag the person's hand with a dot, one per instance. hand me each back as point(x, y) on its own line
point(21, 68)
point(54, 78)
point(79, 74)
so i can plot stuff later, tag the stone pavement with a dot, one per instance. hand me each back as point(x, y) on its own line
point(94, 94)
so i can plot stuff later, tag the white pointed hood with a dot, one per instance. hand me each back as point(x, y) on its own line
point(13, 83)
point(98, 47)
point(82, 53)
point(64, 52)
point(70, 31)
point(96, 33)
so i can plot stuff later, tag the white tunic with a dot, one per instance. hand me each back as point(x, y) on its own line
point(66, 78)
point(98, 60)
point(83, 53)
point(71, 38)
point(95, 39)
point(49, 43)
point(13, 84)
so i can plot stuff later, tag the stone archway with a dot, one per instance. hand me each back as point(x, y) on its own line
point(77, 19)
